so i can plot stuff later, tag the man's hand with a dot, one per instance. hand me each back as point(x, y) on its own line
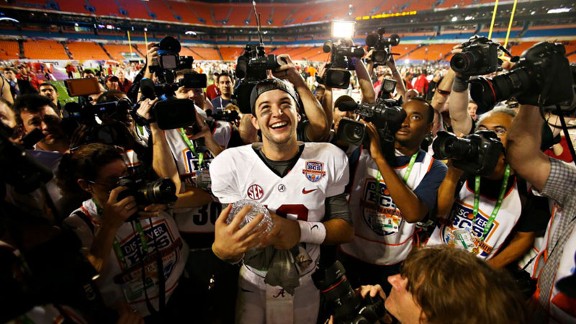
point(231, 241)
point(117, 212)
point(145, 107)
point(285, 233)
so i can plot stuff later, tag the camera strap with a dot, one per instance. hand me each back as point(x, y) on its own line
point(190, 145)
point(498, 202)
point(408, 169)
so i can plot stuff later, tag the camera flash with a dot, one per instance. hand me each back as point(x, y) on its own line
point(343, 29)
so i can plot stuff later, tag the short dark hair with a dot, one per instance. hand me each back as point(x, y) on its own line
point(32, 103)
point(427, 104)
point(48, 84)
point(223, 74)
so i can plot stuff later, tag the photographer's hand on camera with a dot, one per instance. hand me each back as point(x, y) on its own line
point(231, 242)
point(318, 129)
point(151, 59)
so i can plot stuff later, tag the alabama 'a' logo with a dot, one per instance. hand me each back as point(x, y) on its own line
point(255, 192)
point(314, 170)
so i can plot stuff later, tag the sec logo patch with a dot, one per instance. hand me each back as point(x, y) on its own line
point(255, 192)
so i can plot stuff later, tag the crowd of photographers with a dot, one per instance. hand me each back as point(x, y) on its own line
point(273, 193)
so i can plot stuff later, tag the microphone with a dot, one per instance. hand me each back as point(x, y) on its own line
point(347, 106)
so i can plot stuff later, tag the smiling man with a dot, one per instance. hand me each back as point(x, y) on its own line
point(302, 184)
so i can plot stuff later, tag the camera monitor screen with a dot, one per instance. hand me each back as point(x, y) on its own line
point(82, 87)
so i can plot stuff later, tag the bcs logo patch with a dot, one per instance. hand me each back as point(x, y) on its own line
point(314, 171)
point(255, 192)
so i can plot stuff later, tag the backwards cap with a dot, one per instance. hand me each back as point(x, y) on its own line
point(272, 84)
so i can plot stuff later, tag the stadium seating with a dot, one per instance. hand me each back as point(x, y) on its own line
point(87, 51)
point(42, 49)
point(9, 50)
point(116, 50)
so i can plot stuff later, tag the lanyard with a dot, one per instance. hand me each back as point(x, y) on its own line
point(191, 146)
point(498, 202)
point(143, 240)
point(408, 169)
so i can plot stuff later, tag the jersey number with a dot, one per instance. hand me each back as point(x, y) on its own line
point(202, 217)
point(296, 211)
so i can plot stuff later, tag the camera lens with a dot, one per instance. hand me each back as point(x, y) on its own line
point(487, 92)
point(161, 191)
point(448, 146)
point(462, 62)
point(169, 45)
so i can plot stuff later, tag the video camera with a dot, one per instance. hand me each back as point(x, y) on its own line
point(251, 67)
point(477, 153)
point(225, 115)
point(342, 300)
point(542, 77)
point(381, 46)
point(479, 56)
point(386, 114)
point(169, 60)
point(337, 74)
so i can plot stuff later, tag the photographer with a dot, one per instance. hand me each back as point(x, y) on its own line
point(184, 155)
point(395, 186)
point(445, 285)
point(499, 228)
point(554, 179)
point(136, 249)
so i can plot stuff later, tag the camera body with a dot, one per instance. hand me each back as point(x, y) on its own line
point(381, 46)
point(161, 191)
point(386, 114)
point(342, 300)
point(226, 115)
point(251, 67)
point(477, 153)
point(169, 60)
point(479, 56)
point(542, 76)
point(337, 74)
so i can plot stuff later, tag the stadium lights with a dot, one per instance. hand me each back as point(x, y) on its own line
point(558, 10)
point(190, 32)
point(343, 29)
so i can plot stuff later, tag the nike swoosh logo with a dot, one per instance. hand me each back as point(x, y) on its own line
point(314, 226)
point(304, 191)
point(245, 290)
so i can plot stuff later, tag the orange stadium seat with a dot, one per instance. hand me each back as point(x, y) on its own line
point(231, 53)
point(192, 12)
point(160, 10)
point(44, 49)
point(107, 8)
point(134, 8)
point(239, 14)
point(116, 50)
point(9, 50)
point(73, 6)
point(204, 53)
point(87, 51)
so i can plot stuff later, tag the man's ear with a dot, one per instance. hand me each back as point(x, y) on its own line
point(299, 117)
point(85, 185)
point(254, 121)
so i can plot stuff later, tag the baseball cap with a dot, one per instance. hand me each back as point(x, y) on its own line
point(272, 84)
point(112, 78)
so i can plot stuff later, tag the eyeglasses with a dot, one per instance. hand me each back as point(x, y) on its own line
point(499, 130)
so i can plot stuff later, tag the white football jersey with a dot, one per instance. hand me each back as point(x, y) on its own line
point(382, 236)
point(462, 219)
point(320, 172)
point(191, 220)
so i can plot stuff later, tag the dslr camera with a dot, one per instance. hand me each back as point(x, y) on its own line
point(542, 77)
point(476, 153)
point(381, 46)
point(169, 60)
point(161, 191)
point(250, 68)
point(479, 56)
point(337, 74)
point(386, 114)
point(342, 300)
